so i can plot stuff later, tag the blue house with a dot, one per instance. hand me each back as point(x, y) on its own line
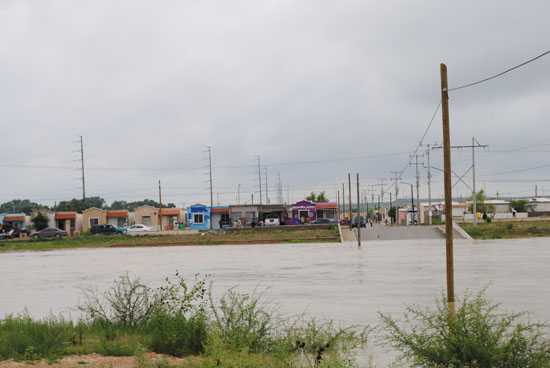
point(17, 220)
point(198, 217)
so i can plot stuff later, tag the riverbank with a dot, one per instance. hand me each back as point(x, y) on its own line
point(267, 235)
point(511, 229)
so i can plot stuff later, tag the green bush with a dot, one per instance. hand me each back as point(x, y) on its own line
point(243, 322)
point(23, 338)
point(128, 302)
point(177, 335)
point(477, 336)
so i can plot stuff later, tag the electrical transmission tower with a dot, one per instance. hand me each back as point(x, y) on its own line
point(279, 189)
point(259, 177)
point(81, 150)
point(475, 144)
point(209, 158)
point(266, 190)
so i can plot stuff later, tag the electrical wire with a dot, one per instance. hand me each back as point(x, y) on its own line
point(392, 184)
point(516, 171)
point(499, 74)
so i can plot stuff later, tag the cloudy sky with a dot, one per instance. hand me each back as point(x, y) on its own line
point(317, 89)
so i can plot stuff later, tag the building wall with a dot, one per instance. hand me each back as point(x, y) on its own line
point(540, 205)
point(90, 213)
point(301, 207)
point(246, 213)
point(198, 210)
point(147, 211)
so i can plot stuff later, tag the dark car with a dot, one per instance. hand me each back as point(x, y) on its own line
point(48, 233)
point(362, 222)
point(107, 229)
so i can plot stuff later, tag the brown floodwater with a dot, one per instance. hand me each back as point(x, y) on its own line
point(334, 281)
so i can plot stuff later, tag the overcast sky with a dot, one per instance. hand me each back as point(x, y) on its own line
point(317, 89)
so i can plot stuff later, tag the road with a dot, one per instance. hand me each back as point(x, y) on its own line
point(383, 232)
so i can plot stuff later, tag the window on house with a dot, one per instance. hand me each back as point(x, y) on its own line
point(121, 221)
point(94, 221)
point(249, 217)
point(198, 218)
point(235, 216)
point(146, 220)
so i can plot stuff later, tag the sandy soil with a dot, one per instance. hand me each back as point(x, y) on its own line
point(92, 360)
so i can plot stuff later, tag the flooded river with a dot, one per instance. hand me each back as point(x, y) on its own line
point(336, 281)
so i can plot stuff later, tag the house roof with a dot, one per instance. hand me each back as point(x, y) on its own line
point(65, 215)
point(170, 211)
point(220, 209)
point(119, 213)
point(303, 203)
point(326, 205)
point(92, 209)
point(13, 218)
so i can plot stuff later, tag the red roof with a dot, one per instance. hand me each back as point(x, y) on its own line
point(217, 210)
point(65, 215)
point(326, 205)
point(170, 211)
point(121, 213)
point(13, 218)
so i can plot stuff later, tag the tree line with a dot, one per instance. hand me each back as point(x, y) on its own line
point(26, 206)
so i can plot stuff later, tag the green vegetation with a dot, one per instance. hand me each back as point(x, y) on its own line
point(507, 229)
point(20, 206)
point(268, 235)
point(481, 206)
point(177, 319)
point(520, 205)
point(39, 221)
point(78, 205)
point(477, 336)
point(317, 198)
point(242, 330)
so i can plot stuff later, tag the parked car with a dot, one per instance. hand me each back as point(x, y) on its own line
point(138, 228)
point(107, 229)
point(7, 234)
point(48, 233)
point(324, 221)
point(362, 222)
point(272, 220)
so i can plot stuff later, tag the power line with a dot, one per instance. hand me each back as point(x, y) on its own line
point(499, 74)
point(416, 149)
point(516, 171)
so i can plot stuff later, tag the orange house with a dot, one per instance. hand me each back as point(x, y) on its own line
point(118, 218)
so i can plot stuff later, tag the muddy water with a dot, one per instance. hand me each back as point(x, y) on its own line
point(336, 281)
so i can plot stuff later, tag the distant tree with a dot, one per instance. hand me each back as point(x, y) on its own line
point(131, 206)
point(119, 205)
point(481, 206)
point(40, 221)
point(392, 211)
point(21, 205)
point(520, 205)
point(313, 197)
point(79, 205)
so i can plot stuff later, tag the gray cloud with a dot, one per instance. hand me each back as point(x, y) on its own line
point(150, 85)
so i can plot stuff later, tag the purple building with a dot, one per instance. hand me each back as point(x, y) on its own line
point(305, 210)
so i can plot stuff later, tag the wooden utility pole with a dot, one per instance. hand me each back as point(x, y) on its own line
point(448, 190)
point(338, 215)
point(343, 201)
point(358, 214)
point(350, 209)
point(160, 207)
